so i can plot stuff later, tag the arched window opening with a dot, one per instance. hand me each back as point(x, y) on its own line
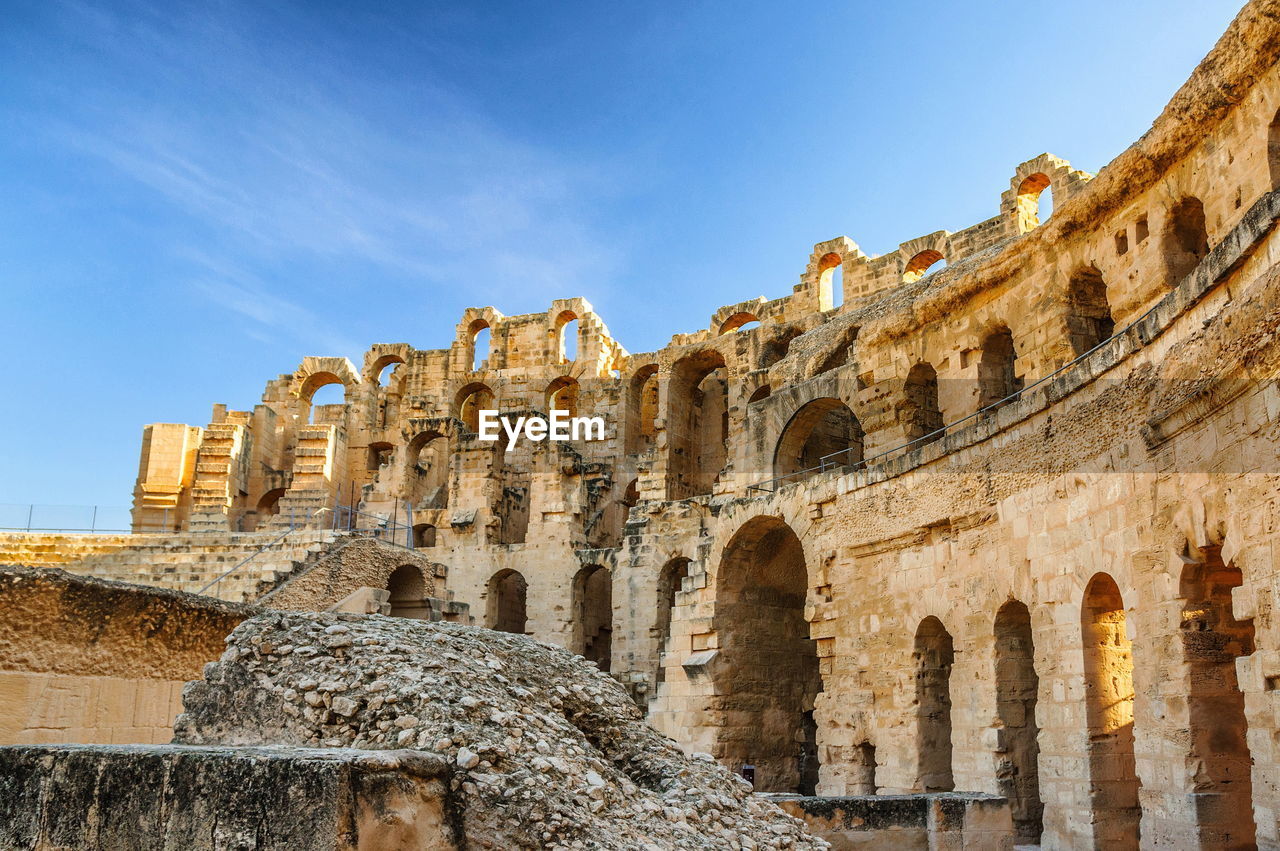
point(593, 614)
point(268, 506)
point(934, 656)
point(1108, 682)
point(739, 322)
point(426, 474)
point(1212, 640)
point(918, 266)
point(1030, 210)
point(1044, 205)
point(481, 343)
point(697, 424)
point(386, 370)
point(761, 392)
point(1186, 240)
point(325, 394)
point(473, 399)
point(631, 496)
point(1089, 319)
point(670, 583)
point(842, 353)
point(566, 337)
point(997, 376)
point(506, 601)
point(642, 409)
point(424, 535)
point(1273, 151)
point(1017, 689)
point(862, 780)
point(408, 593)
point(919, 414)
point(562, 395)
point(823, 432)
point(830, 281)
point(777, 347)
point(379, 454)
point(770, 679)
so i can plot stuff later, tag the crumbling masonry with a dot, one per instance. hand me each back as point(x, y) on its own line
point(1009, 525)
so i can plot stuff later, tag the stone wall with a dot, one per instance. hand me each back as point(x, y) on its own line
point(85, 660)
point(213, 798)
point(1025, 528)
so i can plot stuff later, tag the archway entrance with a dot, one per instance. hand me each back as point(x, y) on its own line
point(1108, 682)
point(1017, 689)
point(593, 614)
point(506, 602)
point(408, 593)
point(769, 679)
point(821, 428)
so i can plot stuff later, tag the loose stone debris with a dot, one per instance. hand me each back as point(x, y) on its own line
point(548, 751)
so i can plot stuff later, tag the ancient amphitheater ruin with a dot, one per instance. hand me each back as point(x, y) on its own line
point(1006, 526)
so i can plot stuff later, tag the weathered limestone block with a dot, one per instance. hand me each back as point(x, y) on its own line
point(81, 798)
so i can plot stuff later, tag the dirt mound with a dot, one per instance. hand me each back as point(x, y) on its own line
point(547, 751)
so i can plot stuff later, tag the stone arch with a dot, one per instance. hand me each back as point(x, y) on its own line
point(670, 581)
point(997, 367)
point(479, 348)
point(377, 454)
point(315, 373)
point(934, 656)
point(426, 469)
point(830, 281)
point(777, 346)
point(1109, 694)
point(409, 592)
point(760, 393)
point(373, 374)
point(642, 409)
point(470, 400)
point(565, 353)
point(268, 506)
point(1029, 191)
point(424, 536)
point(820, 428)
point(1218, 757)
point(918, 266)
point(562, 395)
point(768, 678)
point(1185, 241)
point(918, 413)
point(1017, 691)
point(697, 423)
point(1089, 320)
point(593, 614)
point(506, 603)
point(736, 321)
point(1020, 204)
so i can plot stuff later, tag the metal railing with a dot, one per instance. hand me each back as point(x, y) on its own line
point(37, 517)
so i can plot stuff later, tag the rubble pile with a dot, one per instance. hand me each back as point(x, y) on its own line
point(546, 751)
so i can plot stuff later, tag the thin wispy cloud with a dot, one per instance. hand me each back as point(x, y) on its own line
point(284, 165)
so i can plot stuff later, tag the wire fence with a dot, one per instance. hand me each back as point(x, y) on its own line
point(34, 517)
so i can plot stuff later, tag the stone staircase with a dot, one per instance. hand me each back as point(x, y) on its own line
point(181, 561)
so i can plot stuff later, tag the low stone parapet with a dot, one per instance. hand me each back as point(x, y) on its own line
point(930, 822)
point(171, 796)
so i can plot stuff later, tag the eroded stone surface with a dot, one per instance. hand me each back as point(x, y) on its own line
point(548, 752)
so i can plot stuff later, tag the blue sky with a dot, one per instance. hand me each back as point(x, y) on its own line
point(195, 196)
